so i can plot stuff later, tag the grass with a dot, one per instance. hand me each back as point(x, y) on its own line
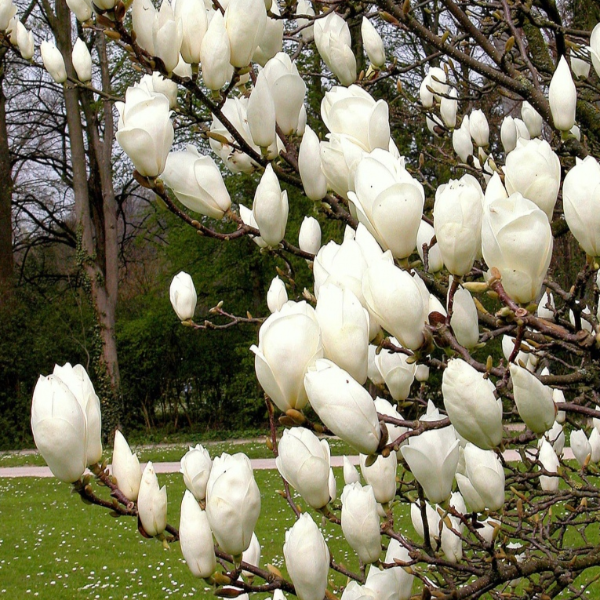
point(53, 546)
point(172, 452)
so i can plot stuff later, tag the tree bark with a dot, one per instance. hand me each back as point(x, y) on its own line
point(96, 212)
point(6, 186)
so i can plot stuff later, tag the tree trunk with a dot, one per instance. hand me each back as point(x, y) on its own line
point(96, 212)
point(6, 185)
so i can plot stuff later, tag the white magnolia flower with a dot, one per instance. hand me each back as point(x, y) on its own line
point(360, 522)
point(332, 38)
point(343, 405)
point(197, 182)
point(303, 462)
point(232, 502)
point(195, 466)
point(433, 457)
point(289, 342)
point(152, 503)
point(388, 201)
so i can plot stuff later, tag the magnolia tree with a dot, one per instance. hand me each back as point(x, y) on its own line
point(425, 283)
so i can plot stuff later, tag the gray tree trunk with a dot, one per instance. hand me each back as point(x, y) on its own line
point(96, 212)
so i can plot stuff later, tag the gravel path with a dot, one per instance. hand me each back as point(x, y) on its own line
point(257, 463)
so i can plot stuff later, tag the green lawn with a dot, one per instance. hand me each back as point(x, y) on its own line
point(53, 546)
point(173, 452)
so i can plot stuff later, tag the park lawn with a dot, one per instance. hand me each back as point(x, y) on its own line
point(173, 452)
point(54, 546)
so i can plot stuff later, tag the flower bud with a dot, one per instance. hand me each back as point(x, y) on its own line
point(404, 580)
point(183, 296)
point(485, 472)
point(261, 113)
point(271, 41)
point(457, 221)
point(434, 257)
point(332, 38)
point(53, 61)
point(167, 35)
point(339, 158)
point(508, 345)
point(511, 132)
point(351, 474)
point(533, 170)
point(195, 466)
point(461, 141)
point(343, 405)
point(422, 373)
point(145, 131)
point(309, 164)
point(465, 320)
point(393, 298)
point(556, 436)
point(532, 119)
point(302, 117)
point(251, 556)
point(306, 558)
point(581, 203)
point(394, 431)
point(594, 441)
point(270, 208)
point(581, 446)
point(433, 84)
point(215, 52)
point(80, 385)
point(195, 538)
point(360, 522)
point(397, 373)
point(292, 331)
point(516, 239)
point(533, 399)
point(287, 89)
point(303, 462)
point(304, 7)
point(277, 295)
point(373, 43)
point(25, 41)
point(152, 503)
point(388, 201)
point(58, 424)
point(245, 21)
point(82, 61)
point(381, 476)
point(309, 238)
point(448, 108)
point(197, 182)
point(126, 468)
point(7, 11)
point(433, 522)
point(472, 408)
point(194, 22)
point(562, 96)
point(232, 502)
point(479, 128)
point(547, 456)
point(344, 330)
point(143, 14)
point(433, 457)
